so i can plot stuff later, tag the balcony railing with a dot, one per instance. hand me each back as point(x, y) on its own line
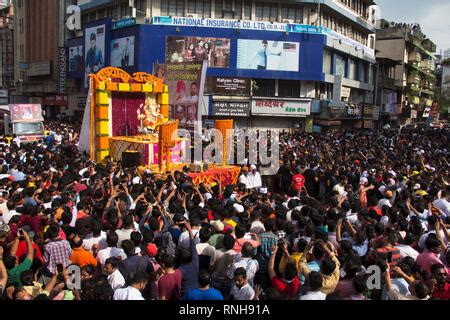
point(388, 82)
point(413, 78)
point(414, 57)
point(427, 92)
point(427, 65)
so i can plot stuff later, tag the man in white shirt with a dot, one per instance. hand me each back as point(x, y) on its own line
point(127, 229)
point(315, 284)
point(133, 292)
point(97, 237)
point(254, 178)
point(340, 187)
point(6, 216)
point(241, 290)
point(443, 204)
point(205, 250)
point(431, 220)
point(112, 250)
point(115, 278)
point(244, 179)
point(184, 241)
point(246, 261)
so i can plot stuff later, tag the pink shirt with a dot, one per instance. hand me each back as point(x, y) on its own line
point(426, 259)
point(240, 243)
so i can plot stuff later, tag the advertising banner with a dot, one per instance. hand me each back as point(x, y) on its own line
point(186, 83)
point(55, 100)
point(221, 23)
point(76, 62)
point(281, 108)
point(62, 70)
point(229, 86)
point(353, 111)
point(95, 41)
point(122, 52)
point(231, 109)
point(268, 55)
point(42, 68)
point(198, 49)
point(26, 112)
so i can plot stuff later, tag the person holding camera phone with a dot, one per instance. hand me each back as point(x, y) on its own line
point(290, 284)
point(14, 268)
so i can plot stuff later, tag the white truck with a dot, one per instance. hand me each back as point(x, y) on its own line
point(23, 120)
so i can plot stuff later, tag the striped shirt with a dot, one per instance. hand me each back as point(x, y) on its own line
point(57, 252)
point(268, 240)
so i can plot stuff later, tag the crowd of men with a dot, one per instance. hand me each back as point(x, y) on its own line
point(343, 204)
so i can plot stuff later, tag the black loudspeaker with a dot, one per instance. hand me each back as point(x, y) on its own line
point(131, 159)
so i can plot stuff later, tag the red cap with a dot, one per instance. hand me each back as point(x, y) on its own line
point(152, 250)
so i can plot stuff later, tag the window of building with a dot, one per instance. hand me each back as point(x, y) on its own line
point(125, 10)
point(172, 8)
point(327, 61)
point(202, 8)
point(228, 12)
point(238, 9)
point(352, 69)
point(292, 13)
point(110, 12)
point(266, 12)
point(288, 89)
point(141, 7)
point(363, 72)
point(266, 88)
point(92, 16)
point(247, 9)
point(340, 66)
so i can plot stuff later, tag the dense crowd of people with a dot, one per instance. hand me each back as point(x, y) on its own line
point(343, 204)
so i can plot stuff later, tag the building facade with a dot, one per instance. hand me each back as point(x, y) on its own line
point(39, 35)
point(326, 69)
point(6, 50)
point(331, 78)
point(415, 71)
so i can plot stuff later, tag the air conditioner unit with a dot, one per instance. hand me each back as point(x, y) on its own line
point(290, 21)
point(193, 15)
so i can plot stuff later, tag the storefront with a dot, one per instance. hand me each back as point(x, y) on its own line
point(238, 110)
point(230, 99)
point(76, 106)
point(280, 113)
point(55, 106)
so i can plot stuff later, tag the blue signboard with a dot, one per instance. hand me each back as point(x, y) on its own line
point(119, 24)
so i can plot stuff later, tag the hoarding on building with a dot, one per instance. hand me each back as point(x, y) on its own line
point(281, 108)
point(95, 43)
point(76, 62)
point(198, 49)
point(221, 23)
point(186, 83)
point(229, 86)
point(230, 109)
point(268, 55)
point(42, 68)
point(122, 52)
point(62, 70)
